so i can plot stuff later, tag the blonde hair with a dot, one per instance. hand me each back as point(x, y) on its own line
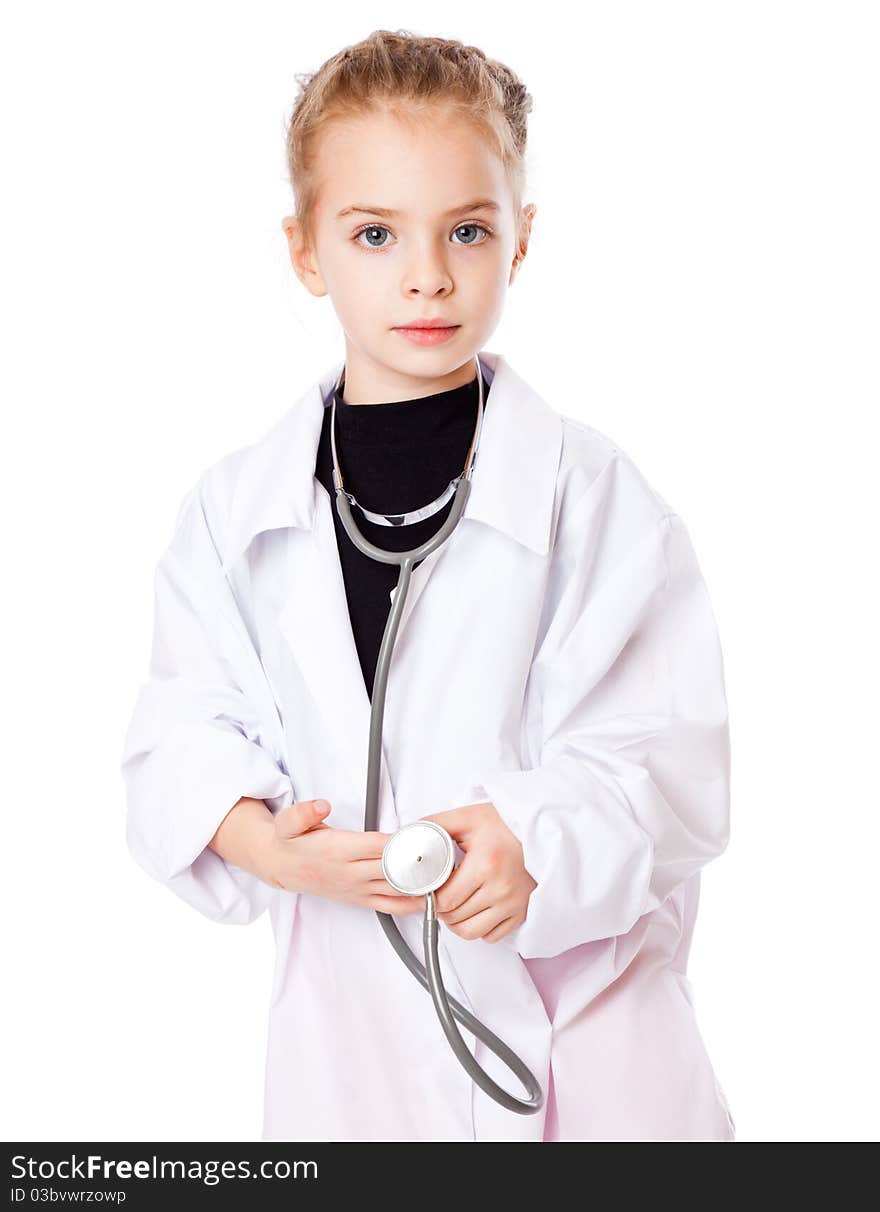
point(412, 74)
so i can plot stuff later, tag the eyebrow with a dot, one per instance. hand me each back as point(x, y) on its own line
point(385, 213)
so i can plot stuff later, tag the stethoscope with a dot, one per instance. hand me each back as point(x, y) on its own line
point(419, 858)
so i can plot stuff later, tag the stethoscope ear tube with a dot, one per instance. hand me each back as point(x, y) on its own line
point(429, 975)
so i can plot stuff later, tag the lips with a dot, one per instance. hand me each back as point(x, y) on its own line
point(433, 334)
point(426, 324)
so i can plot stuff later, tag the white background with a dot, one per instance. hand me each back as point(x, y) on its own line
point(701, 285)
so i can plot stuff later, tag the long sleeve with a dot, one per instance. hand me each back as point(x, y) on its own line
point(195, 744)
point(630, 795)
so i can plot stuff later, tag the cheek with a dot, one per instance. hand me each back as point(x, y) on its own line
point(498, 268)
point(352, 285)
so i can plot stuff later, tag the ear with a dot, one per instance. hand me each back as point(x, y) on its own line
point(302, 257)
point(522, 240)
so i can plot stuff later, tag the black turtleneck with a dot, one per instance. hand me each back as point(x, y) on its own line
point(394, 457)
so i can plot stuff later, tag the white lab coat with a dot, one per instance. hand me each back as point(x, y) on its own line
point(557, 656)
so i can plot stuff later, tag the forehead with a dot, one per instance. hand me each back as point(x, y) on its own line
point(413, 166)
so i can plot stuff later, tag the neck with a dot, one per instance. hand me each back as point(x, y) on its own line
point(366, 382)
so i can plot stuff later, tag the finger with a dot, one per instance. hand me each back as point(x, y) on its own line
point(456, 821)
point(385, 889)
point(298, 818)
point(400, 906)
point(369, 871)
point(501, 930)
point(475, 903)
point(479, 925)
point(362, 845)
point(463, 882)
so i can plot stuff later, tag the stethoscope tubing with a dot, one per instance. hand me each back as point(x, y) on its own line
point(429, 975)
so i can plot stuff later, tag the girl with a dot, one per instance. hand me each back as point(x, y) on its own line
point(556, 696)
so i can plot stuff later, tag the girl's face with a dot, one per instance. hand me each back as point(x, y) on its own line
point(414, 220)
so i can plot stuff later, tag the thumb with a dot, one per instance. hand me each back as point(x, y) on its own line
point(300, 817)
point(456, 821)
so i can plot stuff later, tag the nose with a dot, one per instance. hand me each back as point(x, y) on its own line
point(427, 274)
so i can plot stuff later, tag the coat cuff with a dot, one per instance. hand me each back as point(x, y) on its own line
point(590, 858)
point(179, 794)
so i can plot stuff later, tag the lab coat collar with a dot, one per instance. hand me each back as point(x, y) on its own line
point(513, 482)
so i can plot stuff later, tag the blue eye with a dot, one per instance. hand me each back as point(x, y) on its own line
point(374, 229)
point(474, 227)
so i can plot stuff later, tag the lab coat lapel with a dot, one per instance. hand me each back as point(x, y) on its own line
point(316, 625)
point(275, 488)
point(514, 480)
point(417, 581)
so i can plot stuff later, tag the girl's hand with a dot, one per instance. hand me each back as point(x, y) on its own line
point(305, 855)
point(487, 895)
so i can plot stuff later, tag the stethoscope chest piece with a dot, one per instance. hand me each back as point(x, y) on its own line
point(418, 859)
